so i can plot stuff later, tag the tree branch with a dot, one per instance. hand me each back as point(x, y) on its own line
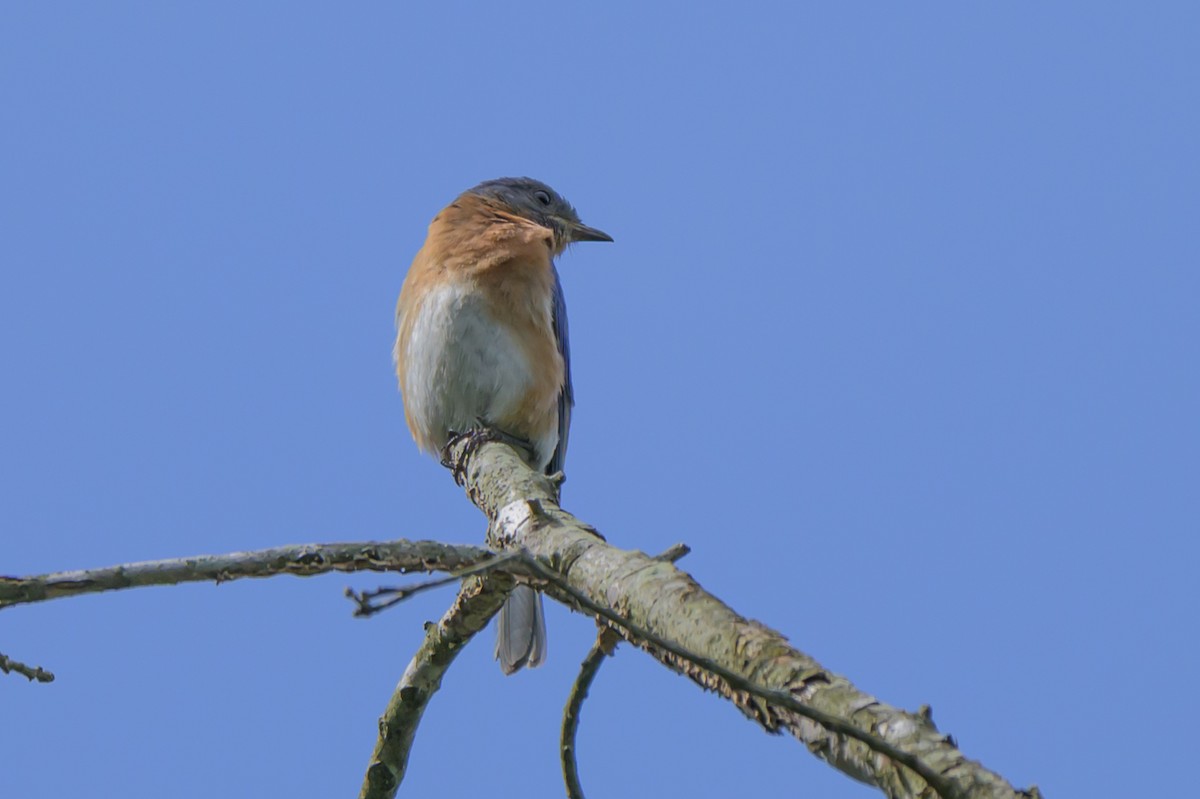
point(645, 600)
point(302, 560)
point(667, 604)
point(32, 673)
point(738, 683)
point(478, 600)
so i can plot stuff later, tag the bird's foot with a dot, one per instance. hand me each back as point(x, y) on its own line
point(522, 445)
point(474, 439)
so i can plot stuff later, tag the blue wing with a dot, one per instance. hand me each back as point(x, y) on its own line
point(566, 397)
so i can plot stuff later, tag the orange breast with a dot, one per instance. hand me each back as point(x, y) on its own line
point(500, 267)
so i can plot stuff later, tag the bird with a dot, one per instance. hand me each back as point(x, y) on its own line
point(481, 344)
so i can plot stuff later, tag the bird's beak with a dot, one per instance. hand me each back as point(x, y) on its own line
point(581, 232)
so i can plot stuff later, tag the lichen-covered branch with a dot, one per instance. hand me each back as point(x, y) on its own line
point(302, 560)
point(645, 600)
point(478, 600)
point(656, 597)
point(32, 673)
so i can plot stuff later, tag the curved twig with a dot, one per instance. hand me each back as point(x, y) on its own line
point(606, 642)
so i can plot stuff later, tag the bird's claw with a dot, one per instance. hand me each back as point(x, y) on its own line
point(474, 439)
point(516, 442)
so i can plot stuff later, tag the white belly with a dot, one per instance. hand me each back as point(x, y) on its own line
point(460, 366)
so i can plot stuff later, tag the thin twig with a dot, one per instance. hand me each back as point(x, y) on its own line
point(606, 642)
point(33, 673)
point(368, 606)
point(302, 560)
point(478, 600)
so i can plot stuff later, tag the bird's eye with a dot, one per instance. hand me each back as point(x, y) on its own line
point(542, 197)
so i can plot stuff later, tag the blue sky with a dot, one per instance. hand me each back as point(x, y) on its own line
point(899, 332)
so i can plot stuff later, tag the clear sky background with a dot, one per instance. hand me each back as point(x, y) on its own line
point(899, 332)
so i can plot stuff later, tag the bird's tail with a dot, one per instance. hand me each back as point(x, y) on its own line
point(521, 637)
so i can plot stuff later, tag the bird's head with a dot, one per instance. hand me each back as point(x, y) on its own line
point(533, 200)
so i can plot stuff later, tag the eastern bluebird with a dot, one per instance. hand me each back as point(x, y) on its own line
point(482, 341)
